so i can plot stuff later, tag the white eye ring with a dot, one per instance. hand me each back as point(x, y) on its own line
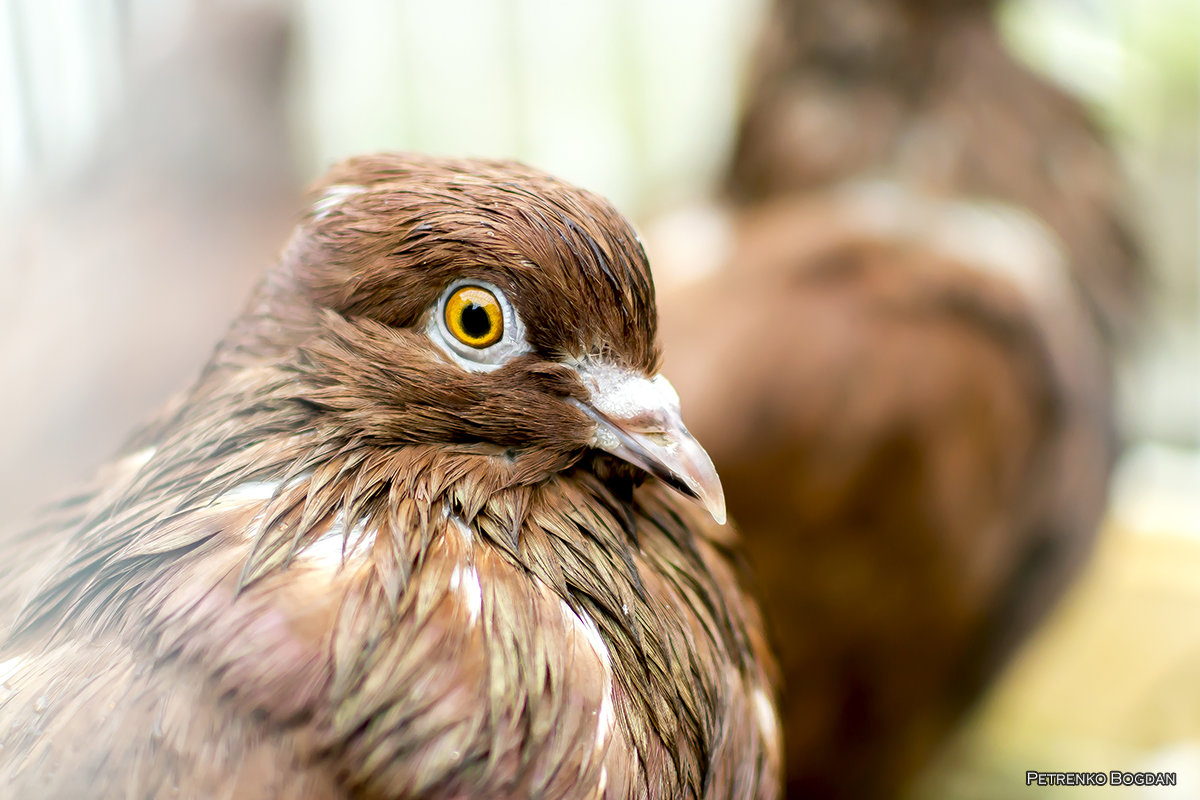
point(478, 359)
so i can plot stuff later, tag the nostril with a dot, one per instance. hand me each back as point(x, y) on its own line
point(660, 438)
point(651, 422)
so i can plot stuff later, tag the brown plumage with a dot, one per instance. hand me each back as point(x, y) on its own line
point(908, 393)
point(357, 559)
point(924, 93)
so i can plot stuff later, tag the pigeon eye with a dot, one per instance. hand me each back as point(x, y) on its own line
point(475, 326)
point(474, 316)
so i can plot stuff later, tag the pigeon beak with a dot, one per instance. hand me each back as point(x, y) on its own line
point(638, 420)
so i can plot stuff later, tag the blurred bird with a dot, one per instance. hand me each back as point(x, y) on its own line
point(417, 531)
point(926, 266)
point(923, 93)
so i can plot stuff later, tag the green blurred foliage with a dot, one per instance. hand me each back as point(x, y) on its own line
point(1136, 61)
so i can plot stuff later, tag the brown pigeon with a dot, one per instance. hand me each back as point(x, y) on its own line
point(418, 530)
point(909, 395)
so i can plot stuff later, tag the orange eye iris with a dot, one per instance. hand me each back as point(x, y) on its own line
point(474, 317)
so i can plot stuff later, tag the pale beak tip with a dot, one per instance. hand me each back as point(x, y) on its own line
point(716, 507)
point(710, 493)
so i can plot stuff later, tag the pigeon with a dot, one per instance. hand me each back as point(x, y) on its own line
point(428, 524)
point(925, 271)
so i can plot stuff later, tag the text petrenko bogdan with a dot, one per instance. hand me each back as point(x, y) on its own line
point(1112, 778)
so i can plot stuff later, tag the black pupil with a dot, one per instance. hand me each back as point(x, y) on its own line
point(475, 321)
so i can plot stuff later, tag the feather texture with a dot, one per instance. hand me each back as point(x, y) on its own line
point(343, 566)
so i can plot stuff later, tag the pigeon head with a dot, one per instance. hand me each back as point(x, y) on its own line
point(478, 304)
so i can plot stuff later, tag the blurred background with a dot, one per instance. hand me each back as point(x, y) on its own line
point(153, 155)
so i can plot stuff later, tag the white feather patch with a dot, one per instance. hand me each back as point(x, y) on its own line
point(586, 626)
point(992, 237)
point(333, 197)
point(259, 491)
point(764, 710)
point(464, 530)
point(464, 580)
point(253, 491)
point(334, 548)
point(9, 667)
point(135, 461)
